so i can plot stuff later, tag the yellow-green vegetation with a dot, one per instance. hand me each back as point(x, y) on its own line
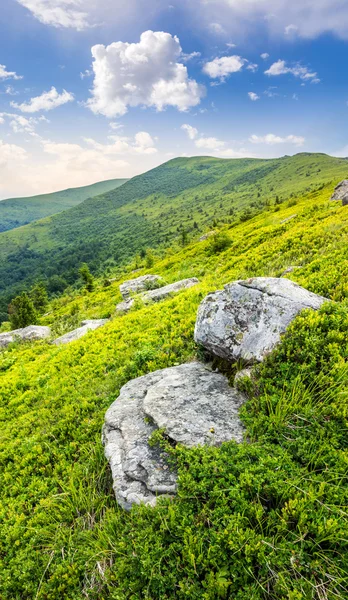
point(266, 519)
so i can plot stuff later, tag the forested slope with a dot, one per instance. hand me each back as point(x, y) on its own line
point(154, 209)
point(15, 212)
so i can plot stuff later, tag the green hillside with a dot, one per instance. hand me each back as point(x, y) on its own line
point(262, 520)
point(16, 212)
point(153, 209)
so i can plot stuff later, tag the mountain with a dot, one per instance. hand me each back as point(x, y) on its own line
point(15, 212)
point(152, 210)
point(263, 520)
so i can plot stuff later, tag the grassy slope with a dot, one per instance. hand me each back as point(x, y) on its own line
point(150, 210)
point(15, 212)
point(262, 520)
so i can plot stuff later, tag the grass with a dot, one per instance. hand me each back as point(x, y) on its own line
point(265, 519)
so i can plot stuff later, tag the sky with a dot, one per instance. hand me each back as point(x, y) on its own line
point(93, 90)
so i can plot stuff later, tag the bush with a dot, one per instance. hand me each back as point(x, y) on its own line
point(22, 312)
point(218, 242)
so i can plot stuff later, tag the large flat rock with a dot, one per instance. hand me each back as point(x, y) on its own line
point(246, 319)
point(76, 334)
point(193, 404)
point(134, 286)
point(158, 294)
point(30, 333)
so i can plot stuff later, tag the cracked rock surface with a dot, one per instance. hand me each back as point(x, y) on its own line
point(246, 319)
point(195, 405)
point(30, 333)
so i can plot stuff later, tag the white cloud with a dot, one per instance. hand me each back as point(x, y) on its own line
point(291, 29)
point(312, 18)
point(58, 13)
point(220, 68)
point(5, 74)
point(252, 67)
point(265, 55)
point(209, 143)
point(10, 91)
point(253, 96)
point(281, 68)
point(230, 45)
point(271, 139)
point(192, 132)
point(10, 153)
point(142, 143)
point(217, 28)
point(188, 57)
point(20, 124)
point(146, 73)
point(47, 101)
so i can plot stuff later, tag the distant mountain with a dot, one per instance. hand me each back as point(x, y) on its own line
point(16, 212)
point(151, 210)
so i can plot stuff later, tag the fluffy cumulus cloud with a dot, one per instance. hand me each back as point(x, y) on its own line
point(282, 68)
point(254, 97)
point(271, 139)
point(308, 18)
point(222, 67)
point(47, 101)
point(5, 74)
point(146, 73)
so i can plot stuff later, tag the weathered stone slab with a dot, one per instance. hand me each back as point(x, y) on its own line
point(341, 192)
point(30, 333)
point(159, 293)
point(88, 325)
point(140, 284)
point(193, 404)
point(246, 319)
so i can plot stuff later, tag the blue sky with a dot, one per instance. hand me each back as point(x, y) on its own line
point(90, 90)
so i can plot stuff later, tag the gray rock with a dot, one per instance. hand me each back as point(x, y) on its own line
point(134, 286)
point(240, 375)
point(205, 236)
point(158, 294)
point(341, 192)
point(288, 219)
point(289, 270)
point(193, 404)
point(76, 334)
point(30, 333)
point(167, 290)
point(247, 318)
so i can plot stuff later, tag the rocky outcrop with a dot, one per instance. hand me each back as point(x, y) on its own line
point(194, 405)
point(247, 318)
point(341, 192)
point(30, 333)
point(134, 286)
point(240, 375)
point(158, 294)
point(86, 326)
